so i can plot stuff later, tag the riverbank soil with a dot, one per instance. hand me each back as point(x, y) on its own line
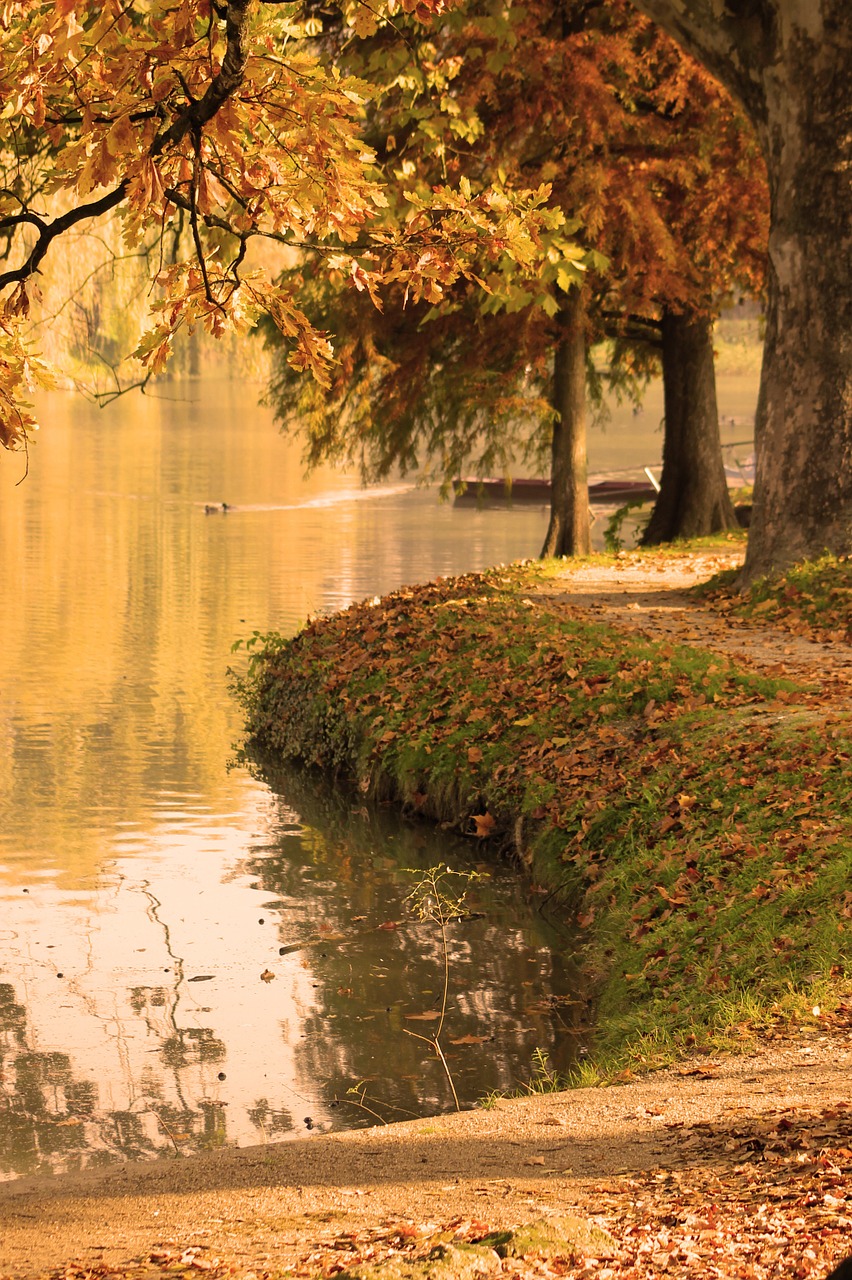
point(721, 1165)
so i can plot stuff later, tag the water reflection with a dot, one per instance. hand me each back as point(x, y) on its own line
point(145, 888)
point(380, 969)
point(243, 998)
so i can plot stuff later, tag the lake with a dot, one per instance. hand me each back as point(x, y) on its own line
point(190, 955)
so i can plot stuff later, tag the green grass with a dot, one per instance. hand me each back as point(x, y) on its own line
point(695, 815)
point(813, 599)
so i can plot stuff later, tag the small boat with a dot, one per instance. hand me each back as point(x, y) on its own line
point(532, 491)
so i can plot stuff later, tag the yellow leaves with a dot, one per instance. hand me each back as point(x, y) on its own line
point(22, 371)
point(121, 137)
point(102, 168)
point(289, 155)
point(210, 194)
point(364, 22)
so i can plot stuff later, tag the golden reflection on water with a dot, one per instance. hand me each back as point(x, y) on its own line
point(123, 834)
point(145, 886)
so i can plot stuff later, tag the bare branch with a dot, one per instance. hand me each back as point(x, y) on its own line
point(49, 231)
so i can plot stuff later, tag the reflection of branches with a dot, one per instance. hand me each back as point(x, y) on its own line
point(50, 1118)
point(151, 912)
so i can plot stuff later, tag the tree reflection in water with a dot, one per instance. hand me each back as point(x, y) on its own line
point(341, 880)
point(51, 1121)
point(353, 969)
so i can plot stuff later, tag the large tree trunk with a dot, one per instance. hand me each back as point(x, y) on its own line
point(568, 533)
point(693, 499)
point(790, 62)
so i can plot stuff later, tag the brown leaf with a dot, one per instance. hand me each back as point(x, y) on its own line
point(267, 975)
point(484, 824)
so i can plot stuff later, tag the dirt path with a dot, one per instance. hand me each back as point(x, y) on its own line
point(653, 597)
point(688, 1159)
point(737, 1167)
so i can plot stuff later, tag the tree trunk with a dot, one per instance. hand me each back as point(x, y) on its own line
point(693, 499)
point(790, 62)
point(568, 533)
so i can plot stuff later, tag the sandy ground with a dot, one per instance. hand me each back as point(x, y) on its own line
point(280, 1204)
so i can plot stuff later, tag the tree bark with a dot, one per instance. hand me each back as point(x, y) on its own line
point(693, 499)
point(569, 533)
point(790, 63)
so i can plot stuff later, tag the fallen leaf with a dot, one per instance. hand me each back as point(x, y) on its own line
point(267, 975)
point(484, 823)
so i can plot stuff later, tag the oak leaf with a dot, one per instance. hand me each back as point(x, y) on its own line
point(484, 824)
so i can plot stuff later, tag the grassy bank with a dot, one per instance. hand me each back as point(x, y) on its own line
point(695, 815)
point(812, 599)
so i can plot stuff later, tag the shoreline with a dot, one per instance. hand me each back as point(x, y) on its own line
point(721, 1161)
point(637, 766)
point(654, 1148)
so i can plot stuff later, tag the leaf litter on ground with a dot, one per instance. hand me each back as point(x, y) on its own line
point(768, 1197)
point(694, 813)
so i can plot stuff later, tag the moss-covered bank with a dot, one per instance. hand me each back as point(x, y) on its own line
point(696, 815)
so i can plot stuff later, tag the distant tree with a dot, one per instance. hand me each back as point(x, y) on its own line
point(662, 187)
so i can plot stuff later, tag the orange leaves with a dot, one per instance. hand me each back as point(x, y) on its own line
point(21, 372)
point(425, 10)
point(210, 194)
point(190, 109)
point(194, 121)
point(483, 825)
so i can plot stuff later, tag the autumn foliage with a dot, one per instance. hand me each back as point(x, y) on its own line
point(694, 812)
point(205, 125)
point(664, 200)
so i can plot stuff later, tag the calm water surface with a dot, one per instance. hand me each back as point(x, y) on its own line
point(145, 885)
